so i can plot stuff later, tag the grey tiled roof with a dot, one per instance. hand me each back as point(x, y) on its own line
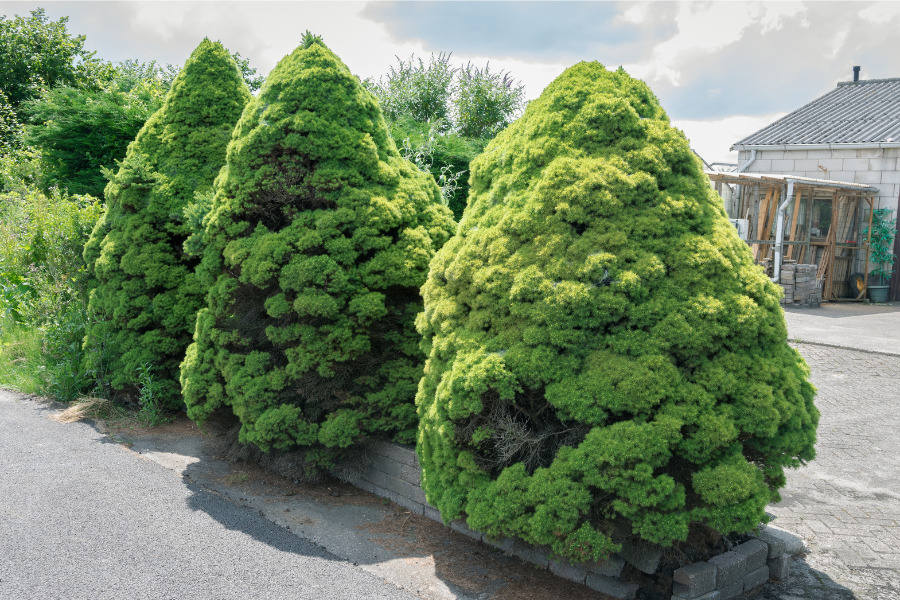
point(852, 113)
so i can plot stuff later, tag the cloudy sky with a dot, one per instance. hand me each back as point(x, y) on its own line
point(721, 69)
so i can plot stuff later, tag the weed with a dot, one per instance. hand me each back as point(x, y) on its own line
point(150, 412)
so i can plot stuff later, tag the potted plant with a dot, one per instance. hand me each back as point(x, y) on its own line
point(883, 230)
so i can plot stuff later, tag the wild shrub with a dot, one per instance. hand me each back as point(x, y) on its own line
point(319, 237)
point(604, 358)
point(43, 290)
point(146, 295)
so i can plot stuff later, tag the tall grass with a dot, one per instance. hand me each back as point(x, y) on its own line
point(43, 289)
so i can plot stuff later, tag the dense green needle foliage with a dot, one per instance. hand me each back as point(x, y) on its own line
point(319, 237)
point(146, 297)
point(605, 360)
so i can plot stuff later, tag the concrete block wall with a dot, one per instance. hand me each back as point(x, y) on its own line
point(393, 472)
point(879, 167)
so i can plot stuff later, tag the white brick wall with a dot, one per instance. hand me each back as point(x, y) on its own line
point(874, 166)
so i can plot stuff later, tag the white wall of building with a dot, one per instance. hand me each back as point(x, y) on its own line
point(878, 167)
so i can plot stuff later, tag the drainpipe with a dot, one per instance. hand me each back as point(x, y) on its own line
point(747, 164)
point(779, 231)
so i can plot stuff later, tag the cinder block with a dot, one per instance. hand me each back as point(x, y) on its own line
point(505, 544)
point(714, 595)
point(793, 544)
point(776, 544)
point(563, 568)
point(459, 526)
point(377, 477)
point(389, 466)
point(732, 591)
point(611, 567)
point(402, 454)
point(692, 581)
point(411, 474)
point(536, 555)
point(645, 557)
point(433, 513)
point(756, 552)
point(756, 578)
point(730, 569)
point(611, 586)
point(363, 484)
point(779, 567)
point(410, 504)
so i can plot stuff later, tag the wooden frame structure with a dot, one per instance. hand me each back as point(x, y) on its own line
point(824, 223)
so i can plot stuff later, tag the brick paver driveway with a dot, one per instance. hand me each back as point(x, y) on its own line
point(846, 503)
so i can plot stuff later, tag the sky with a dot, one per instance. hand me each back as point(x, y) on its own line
point(722, 70)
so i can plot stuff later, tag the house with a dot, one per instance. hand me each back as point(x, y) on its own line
point(851, 135)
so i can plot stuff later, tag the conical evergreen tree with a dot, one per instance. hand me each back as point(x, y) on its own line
point(319, 238)
point(146, 296)
point(605, 359)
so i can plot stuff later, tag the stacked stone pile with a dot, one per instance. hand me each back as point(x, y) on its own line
point(746, 567)
point(801, 287)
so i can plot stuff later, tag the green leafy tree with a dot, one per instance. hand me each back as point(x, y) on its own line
point(605, 359)
point(81, 131)
point(319, 237)
point(442, 117)
point(37, 53)
point(146, 297)
point(485, 102)
point(417, 90)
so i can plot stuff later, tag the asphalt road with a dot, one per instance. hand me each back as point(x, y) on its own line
point(81, 517)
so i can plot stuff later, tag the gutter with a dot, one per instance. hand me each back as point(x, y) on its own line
point(850, 146)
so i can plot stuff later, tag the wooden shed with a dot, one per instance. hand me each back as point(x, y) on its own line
point(806, 221)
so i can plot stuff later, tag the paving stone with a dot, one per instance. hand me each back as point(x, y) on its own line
point(756, 578)
point(611, 586)
point(692, 581)
point(713, 595)
point(611, 567)
point(645, 557)
point(756, 552)
point(567, 570)
point(779, 567)
point(730, 569)
point(732, 591)
point(460, 526)
point(792, 543)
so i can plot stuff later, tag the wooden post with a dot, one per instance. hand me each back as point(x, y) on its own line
point(797, 198)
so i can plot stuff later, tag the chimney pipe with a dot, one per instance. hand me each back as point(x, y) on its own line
point(855, 73)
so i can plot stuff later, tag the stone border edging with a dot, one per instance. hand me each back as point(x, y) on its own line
point(394, 473)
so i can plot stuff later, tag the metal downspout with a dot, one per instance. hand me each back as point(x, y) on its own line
point(779, 231)
point(749, 162)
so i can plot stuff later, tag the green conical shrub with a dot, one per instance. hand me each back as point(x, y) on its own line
point(146, 296)
point(319, 237)
point(605, 360)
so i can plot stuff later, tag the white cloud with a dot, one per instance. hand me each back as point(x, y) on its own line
point(712, 139)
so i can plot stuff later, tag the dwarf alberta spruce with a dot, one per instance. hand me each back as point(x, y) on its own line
point(319, 237)
point(146, 296)
point(604, 359)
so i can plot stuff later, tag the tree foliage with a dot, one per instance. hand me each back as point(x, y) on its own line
point(442, 116)
point(146, 296)
point(319, 237)
point(37, 53)
point(604, 356)
point(82, 131)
